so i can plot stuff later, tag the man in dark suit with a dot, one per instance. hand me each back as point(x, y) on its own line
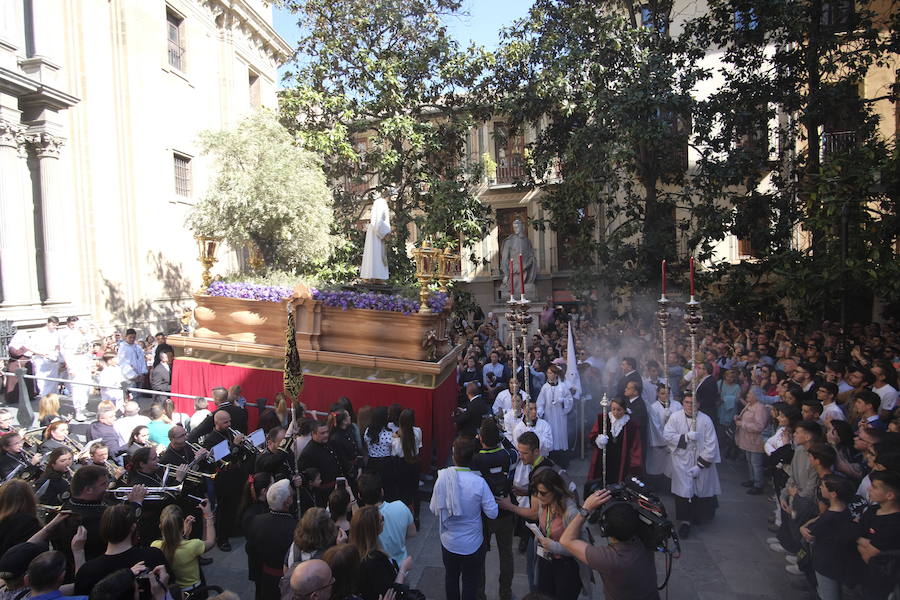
point(628, 367)
point(238, 416)
point(161, 376)
point(707, 396)
point(468, 419)
point(268, 539)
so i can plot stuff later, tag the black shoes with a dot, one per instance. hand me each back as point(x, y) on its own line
point(748, 483)
point(224, 546)
point(684, 532)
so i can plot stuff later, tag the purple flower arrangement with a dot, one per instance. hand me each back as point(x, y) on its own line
point(250, 291)
point(345, 299)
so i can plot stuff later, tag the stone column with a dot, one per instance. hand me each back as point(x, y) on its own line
point(54, 218)
point(18, 279)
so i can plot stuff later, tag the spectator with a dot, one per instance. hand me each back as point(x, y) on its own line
point(201, 411)
point(378, 438)
point(311, 580)
point(132, 360)
point(110, 380)
point(399, 524)
point(376, 569)
point(344, 562)
point(46, 573)
point(314, 534)
point(117, 527)
point(18, 513)
point(14, 567)
point(459, 499)
point(161, 376)
point(749, 425)
point(133, 417)
point(158, 428)
point(405, 446)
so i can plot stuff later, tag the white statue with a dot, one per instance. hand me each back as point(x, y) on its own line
point(374, 262)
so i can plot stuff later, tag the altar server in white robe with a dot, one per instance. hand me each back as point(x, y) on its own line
point(374, 262)
point(540, 427)
point(553, 404)
point(503, 402)
point(659, 461)
point(695, 453)
point(45, 346)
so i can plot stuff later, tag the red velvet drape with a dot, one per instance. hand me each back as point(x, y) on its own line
point(433, 407)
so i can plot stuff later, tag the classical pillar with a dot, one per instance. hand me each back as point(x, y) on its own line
point(17, 277)
point(53, 217)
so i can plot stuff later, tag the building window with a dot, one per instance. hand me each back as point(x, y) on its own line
point(837, 14)
point(652, 19)
point(175, 26)
point(182, 175)
point(253, 82)
point(745, 20)
point(509, 147)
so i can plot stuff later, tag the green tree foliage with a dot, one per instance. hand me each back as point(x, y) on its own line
point(387, 70)
point(797, 152)
point(268, 191)
point(609, 90)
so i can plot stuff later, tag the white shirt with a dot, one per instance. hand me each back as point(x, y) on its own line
point(45, 342)
point(131, 360)
point(832, 411)
point(888, 396)
point(503, 401)
point(126, 425)
point(462, 534)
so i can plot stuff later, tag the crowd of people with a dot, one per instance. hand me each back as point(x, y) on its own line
point(326, 502)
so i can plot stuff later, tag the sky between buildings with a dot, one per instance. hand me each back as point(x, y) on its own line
point(481, 25)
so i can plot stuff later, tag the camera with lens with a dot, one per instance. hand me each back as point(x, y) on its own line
point(655, 528)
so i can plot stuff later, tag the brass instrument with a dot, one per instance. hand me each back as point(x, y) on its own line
point(164, 492)
point(247, 443)
point(46, 512)
point(193, 475)
point(33, 437)
point(197, 448)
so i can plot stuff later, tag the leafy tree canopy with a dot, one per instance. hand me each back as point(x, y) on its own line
point(380, 89)
point(268, 192)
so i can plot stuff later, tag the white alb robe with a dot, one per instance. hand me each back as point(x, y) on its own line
point(706, 446)
point(553, 404)
point(46, 344)
point(658, 458)
point(76, 349)
point(503, 401)
point(374, 262)
point(541, 429)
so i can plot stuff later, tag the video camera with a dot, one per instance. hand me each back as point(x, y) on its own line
point(655, 528)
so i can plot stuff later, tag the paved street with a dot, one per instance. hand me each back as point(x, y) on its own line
point(726, 559)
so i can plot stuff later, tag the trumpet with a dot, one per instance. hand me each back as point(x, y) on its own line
point(192, 475)
point(197, 448)
point(164, 492)
point(247, 443)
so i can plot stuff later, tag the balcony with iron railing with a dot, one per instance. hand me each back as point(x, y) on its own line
point(511, 170)
point(837, 142)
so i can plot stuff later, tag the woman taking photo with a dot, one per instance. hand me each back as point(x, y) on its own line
point(557, 571)
point(622, 442)
point(183, 555)
point(379, 439)
point(18, 513)
point(405, 447)
point(344, 562)
point(376, 569)
point(57, 477)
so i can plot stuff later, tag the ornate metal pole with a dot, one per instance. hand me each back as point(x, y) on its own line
point(512, 321)
point(693, 319)
point(662, 315)
point(525, 320)
point(604, 409)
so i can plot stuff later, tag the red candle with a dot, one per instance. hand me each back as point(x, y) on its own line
point(664, 277)
point(511, 288)
point(522, 275)
point(692, 277)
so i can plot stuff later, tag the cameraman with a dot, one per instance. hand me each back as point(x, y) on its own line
point(626, 565)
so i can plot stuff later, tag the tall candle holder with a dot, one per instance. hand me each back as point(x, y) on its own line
point(512, 320)
point(662, 316)
point(524, 320)
point(693, 320)
point(604, 408)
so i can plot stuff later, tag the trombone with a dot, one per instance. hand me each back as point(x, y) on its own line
point(165, 492)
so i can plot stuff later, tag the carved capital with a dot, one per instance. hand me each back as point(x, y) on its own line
point(12, 135)
point(45, 145)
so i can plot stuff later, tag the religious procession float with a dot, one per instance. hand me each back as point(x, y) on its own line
point(364, 342)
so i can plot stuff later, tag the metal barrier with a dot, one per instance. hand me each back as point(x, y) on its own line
point(27, 413)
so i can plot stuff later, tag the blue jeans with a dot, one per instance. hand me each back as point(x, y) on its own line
point(466, 565)
point(755, 466)
point(827, 588)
